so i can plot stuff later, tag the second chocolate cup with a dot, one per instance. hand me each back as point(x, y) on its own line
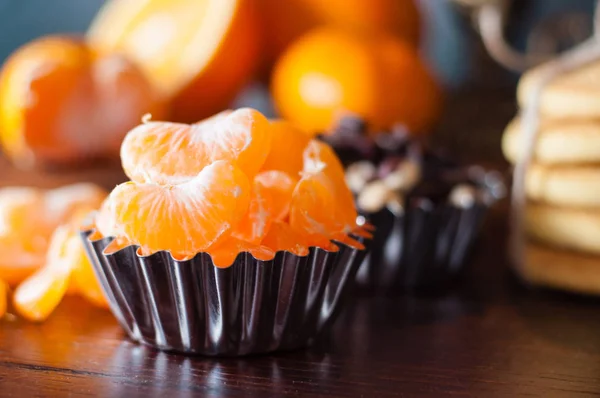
point(425, 246)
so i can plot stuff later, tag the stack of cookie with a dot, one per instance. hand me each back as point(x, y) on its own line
point(562, 217)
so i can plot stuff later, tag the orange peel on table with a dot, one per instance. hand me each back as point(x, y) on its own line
point(61, 102)
point(197, 53)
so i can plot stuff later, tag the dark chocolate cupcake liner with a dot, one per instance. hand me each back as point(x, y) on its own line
point(251, 307)
point(428, 244)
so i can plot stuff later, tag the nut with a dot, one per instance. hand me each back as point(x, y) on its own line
point(463, 196)
point(374, 196)
point(406, 175)
point(359, 174)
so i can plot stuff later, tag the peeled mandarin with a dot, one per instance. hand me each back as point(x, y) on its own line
point(280, 187)
point(104, 221)
point(282, 237)
point(60, 102)
point(287, 145)
point(185, 218)
point(225, 253)
point(37, 297)
point(172, 153)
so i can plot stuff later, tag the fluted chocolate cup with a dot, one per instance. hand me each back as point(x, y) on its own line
point(425, 246)
point(251, 307)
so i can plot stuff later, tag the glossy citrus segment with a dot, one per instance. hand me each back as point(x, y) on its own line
point(279, 186)
point(256, 222)
point(287, 147)
point(225, 253)
point(172, 153)
point(282, 237)
point(40, 294)
point(320, 158)
point(185, 218)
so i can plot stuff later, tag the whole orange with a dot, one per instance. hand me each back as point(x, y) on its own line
point(286, 20)
point(197, 53)
point(328, 73)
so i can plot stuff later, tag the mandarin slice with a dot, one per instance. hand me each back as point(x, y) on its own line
point(172, 153)
point(225, 253)
point(282, 237)
point(40, 294)
point(314, 208)
point(256, 222)
point(320, 157)
point(185, 218)
point(104, 222)
point(280, 187)
point(287, 147)
point(197, 53)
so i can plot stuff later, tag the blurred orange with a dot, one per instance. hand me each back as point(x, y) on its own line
point(327, 73)
point(60, 102)
point(286, 20)
point(198, 53)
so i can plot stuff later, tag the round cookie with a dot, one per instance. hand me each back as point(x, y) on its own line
point(564, 185)
point(561, 269)
point(569, 228)
point(571, 95)
point(558, 142)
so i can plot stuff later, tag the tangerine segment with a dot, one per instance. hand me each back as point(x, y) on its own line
point(225, 253)
point(287, 146)
point(282, 237)
point(20, 210)
point(280, 187)
point(186, 218)
point(257, 220)
point(104, 221)
point(19, 261)
point(173, 153)
point(313, 208)
point(320, 157)
point(40, 294)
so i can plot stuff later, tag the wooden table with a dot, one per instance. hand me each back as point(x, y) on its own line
point(487, 337)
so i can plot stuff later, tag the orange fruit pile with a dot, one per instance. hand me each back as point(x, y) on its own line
point(229, 184)
point(328, 73)
point(61, 101)
point(42, 254)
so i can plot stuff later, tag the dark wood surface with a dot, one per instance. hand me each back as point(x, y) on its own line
point(488, 337)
